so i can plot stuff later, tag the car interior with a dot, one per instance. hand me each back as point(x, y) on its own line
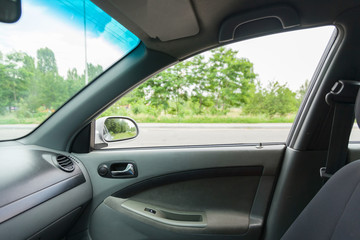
point(57, 183)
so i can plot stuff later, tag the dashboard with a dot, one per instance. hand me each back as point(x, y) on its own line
point(42, 192)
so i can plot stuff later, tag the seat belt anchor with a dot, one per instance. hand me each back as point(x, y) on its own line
point(323, 173)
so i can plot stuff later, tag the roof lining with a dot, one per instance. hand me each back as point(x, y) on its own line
point(210, 14)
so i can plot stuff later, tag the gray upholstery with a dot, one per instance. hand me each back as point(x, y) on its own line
point(334, 213)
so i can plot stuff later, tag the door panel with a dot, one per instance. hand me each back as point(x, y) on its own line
point(181, 193)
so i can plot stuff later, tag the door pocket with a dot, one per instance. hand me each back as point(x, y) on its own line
point(166, 216)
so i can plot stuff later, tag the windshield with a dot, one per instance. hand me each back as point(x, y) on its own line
point(49, 55)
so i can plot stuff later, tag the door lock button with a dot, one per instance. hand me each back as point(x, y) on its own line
point(103, 170)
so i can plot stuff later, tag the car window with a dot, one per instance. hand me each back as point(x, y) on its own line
point(355, 133)
point(54, 50)
point(247, 92)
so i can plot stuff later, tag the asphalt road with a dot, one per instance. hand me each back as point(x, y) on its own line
point(152, 134)
point(200, 134)
point(12, 131)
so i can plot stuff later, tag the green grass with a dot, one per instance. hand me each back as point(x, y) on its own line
point(234, 116)
point(231, 117)
point(13, 119)
point(117, 136)
point(212, 119)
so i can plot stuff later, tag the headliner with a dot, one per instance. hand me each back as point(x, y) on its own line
point(193, 26)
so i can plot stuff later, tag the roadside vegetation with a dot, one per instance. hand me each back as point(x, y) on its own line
point(218, 87)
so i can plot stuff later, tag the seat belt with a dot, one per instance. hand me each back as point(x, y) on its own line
point(341, 99)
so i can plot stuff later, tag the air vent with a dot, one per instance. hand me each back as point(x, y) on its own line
point(65, 163)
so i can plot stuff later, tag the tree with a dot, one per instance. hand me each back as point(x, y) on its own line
point(74, 82)
point(93, 71)
point(37, 88)
point(177, 85)
point(231, 79)
point(46, 62)
point(51, 87)
point(302, 91)
point(18, 75)
point(199, 83)
point(157, 91)
point(5, 93)
point(275, 99)
point(52, 91)
point(223, 80)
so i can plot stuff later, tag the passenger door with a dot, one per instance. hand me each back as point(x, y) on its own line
point(207, 192)
point(198, 180)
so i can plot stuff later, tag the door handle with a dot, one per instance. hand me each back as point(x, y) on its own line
point(118, 169)
point(128, 171)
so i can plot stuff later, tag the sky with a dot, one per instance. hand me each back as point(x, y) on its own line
point(288, 58)
point(63, 32)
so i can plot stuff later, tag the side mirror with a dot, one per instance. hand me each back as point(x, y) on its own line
point(113, 129)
